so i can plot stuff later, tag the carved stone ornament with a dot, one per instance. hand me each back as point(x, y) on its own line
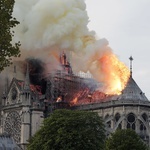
point(12, 125)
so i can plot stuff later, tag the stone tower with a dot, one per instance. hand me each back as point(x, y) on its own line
point(21, 113)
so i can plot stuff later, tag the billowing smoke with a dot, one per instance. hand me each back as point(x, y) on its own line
point(51, 22)
point(48, 27)
point(56, 25)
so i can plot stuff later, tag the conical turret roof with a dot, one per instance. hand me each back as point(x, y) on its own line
point(132, 92)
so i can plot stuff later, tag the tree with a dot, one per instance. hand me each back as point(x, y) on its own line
point(125, 139)
point(7, 50)
point(70, 130)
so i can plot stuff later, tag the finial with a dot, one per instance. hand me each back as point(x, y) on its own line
point(131, 59)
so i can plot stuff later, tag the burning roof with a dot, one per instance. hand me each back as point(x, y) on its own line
point(36, 89)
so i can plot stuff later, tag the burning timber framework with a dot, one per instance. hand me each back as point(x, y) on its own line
point(73, 89)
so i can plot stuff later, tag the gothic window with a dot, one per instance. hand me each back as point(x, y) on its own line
point(108, 124)
point(131, 121)
point(128, 126)
point(120, 125)
point(142, 127)
point(117, 117)
point(12, 125)
point(144, 116)
point(106, 117)
point(133, 126)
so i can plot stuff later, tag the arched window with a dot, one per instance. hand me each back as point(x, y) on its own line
point(131, 121)
point(142, 127)
point(144, 116)
point(108, 124)
point(120, 125)
point(106, 117)
point(117, 117)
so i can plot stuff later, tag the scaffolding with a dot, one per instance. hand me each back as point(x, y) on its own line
point(64, 86)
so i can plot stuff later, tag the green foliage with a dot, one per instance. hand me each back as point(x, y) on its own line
point(126, 139)
point(7, 50)
point(70, 130)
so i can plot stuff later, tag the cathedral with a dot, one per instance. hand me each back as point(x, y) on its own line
point(25, 104)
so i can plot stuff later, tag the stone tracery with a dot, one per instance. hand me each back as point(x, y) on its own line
point(13, 125)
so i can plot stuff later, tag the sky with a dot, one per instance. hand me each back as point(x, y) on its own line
point(126, 25)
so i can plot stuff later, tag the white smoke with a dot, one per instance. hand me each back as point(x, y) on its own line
point(45, 23)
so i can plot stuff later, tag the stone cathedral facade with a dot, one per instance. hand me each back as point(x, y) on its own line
point(24, 106)
point(19, 118)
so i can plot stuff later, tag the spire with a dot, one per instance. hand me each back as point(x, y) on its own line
point(64, 58)
point(6, 86)
point(15, 71)
point(131, 59)
point(27, 79)
point(60, 58)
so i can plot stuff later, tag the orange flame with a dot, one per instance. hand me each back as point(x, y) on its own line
point(74, 101)
point(116, 74)
point(36, 88)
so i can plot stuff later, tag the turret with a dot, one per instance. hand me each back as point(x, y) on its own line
point(27, 80)
point(26, 112)
point(26, 89)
